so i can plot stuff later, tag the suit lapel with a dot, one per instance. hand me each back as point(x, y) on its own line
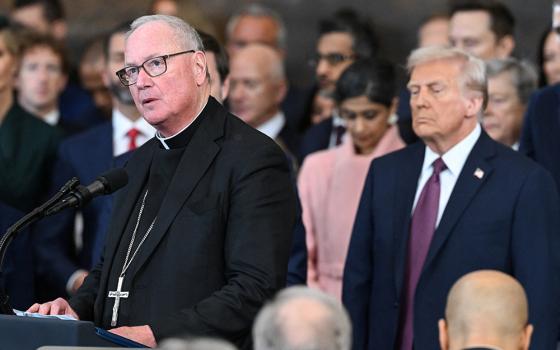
point(137, 172)
point(474, 174)
point(196, 159)
point(407, 181)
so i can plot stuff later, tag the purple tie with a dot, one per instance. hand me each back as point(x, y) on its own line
point(422, 229)
point(339, 130)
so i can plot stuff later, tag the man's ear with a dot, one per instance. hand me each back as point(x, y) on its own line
point(505, 46)
point(527, 333)
point(473, 105)
point(443, 338)
point(199, 67)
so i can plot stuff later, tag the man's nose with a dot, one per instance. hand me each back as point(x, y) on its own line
point(322, 67)
point(144, 79)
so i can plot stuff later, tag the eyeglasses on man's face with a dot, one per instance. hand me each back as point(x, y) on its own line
point(332, 59)
point(153, 67)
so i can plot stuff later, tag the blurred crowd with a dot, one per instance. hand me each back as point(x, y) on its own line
point(59, 121)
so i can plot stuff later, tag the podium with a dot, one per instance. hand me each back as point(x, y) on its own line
point(30, 333)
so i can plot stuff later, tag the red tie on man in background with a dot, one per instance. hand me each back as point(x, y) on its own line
point(422, 227)
point(132, 135)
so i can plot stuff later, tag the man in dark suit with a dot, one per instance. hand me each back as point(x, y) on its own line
point(486, 310)
point(62, 265)
point(343, 38)
point(200, 237)
point(540, 137)
point(431, 213)
point(257, 87)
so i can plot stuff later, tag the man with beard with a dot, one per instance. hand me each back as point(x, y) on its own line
point(62, 266)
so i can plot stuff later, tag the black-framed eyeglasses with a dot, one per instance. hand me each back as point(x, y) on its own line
point(332, 59)
point(153, 67)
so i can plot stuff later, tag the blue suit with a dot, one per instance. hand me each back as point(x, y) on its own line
point(506, 220)
point(540, 138)
point(84, 156)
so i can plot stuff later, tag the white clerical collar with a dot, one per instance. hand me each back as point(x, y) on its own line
point(122, 125)
point(163, 140)
point(52, 117)
point(273, 126)
point(456, 157)
point(515, 146)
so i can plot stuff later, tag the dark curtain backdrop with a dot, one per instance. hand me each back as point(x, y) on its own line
point(395, 21)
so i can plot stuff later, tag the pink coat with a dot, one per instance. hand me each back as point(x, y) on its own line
point(330, 184)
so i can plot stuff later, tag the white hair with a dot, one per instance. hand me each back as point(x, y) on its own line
point(185, 34)
point(473, 71)
point(333, 333)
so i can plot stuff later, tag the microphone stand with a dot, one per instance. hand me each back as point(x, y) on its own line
point(33, 216)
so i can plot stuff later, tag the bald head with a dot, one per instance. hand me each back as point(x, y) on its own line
point(257, 83)
point(487, 308)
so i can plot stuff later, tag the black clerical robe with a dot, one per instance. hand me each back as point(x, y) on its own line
point(219, 246)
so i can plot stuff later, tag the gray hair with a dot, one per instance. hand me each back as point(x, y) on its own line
point(258, 10)
point(184, 33)
point(473, 72)
point(196, 344)
point(333, 333)
point(522, 73)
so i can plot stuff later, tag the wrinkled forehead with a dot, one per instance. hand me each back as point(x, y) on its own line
point(150, 40)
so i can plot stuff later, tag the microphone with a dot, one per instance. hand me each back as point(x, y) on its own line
point(106, 183)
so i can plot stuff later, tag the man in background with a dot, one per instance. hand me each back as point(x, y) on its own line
point(301, 318)
point(257, 87)
point(486, 310)
point(62, 262)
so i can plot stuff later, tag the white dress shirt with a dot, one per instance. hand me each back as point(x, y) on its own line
point(122, 125)
point(52, 117)
point(454, 160)
point(273, 126)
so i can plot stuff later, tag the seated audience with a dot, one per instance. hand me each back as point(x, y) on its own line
point(486, 309)
point(301, 318)
point(510, 85)
point(331, 181)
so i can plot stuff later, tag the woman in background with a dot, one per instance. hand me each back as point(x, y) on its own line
point(331, 181)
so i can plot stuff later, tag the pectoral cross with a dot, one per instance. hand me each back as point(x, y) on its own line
point(117, 294)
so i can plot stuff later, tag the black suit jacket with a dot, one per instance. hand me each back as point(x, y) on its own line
point(221, 242)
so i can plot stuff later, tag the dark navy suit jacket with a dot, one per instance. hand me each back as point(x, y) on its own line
point(507, 220)
point(16, 276)
point(540, 138)
point(84, 156)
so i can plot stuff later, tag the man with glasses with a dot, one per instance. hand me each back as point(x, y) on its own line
point(342, 39)
point(200, 237)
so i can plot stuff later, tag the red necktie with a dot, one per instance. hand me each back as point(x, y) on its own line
point(132, 135)
point(422, 227)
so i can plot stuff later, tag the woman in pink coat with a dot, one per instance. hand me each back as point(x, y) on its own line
point(330, 182)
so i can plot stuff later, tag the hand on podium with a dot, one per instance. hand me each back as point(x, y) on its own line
point(140, 334)
point(58, 306)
